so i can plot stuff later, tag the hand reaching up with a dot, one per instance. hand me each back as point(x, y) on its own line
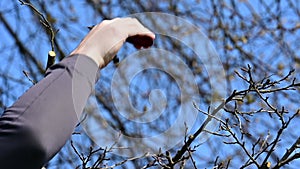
point(105, 39)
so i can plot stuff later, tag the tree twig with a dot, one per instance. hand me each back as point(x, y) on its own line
point(49, 27)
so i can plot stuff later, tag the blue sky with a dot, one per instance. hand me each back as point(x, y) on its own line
point(73, 32)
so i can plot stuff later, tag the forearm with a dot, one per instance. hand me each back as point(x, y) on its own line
point(41, 121)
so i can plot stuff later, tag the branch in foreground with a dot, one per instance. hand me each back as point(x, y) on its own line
point(49, 27)
point(255, 87)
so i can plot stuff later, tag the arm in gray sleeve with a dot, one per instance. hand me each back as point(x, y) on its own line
point(39, 123)
point(35, 128)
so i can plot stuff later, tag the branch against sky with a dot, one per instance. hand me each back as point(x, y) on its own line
point(257, 125)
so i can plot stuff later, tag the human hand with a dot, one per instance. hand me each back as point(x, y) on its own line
point(105, 39)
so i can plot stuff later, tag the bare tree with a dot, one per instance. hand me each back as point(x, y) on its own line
point(255, 124)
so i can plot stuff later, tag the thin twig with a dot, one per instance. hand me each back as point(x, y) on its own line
point(28, 77)
point(49, 27)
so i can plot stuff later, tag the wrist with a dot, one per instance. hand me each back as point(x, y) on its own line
point(98, 60)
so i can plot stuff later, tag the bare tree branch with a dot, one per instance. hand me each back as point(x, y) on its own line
point(49, 27)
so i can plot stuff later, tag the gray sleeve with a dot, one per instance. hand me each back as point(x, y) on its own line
point(39, 123)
